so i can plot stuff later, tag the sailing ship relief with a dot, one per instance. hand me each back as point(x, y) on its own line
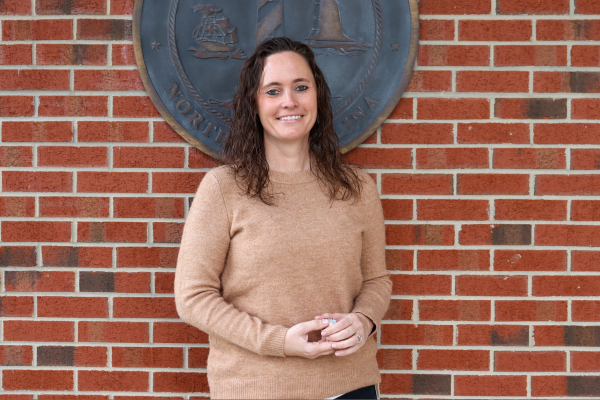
point(214, 35)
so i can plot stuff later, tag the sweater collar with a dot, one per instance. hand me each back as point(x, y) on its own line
point(292, 177)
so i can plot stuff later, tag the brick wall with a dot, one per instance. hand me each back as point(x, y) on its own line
point(487, 171)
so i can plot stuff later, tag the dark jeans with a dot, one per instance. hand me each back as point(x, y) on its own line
point(367, 392)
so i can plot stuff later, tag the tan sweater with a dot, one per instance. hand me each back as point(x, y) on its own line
point(248, 271)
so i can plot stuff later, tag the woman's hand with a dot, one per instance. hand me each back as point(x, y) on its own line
point(297, 344)
point(342, 334)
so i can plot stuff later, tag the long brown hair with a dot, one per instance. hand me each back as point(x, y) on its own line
point(244, 149)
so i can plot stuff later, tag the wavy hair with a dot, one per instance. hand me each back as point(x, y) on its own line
point(244, 149)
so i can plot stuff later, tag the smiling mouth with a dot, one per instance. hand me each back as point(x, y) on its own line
point(290, 118)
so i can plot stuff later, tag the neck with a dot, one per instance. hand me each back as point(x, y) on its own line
point(287, 157)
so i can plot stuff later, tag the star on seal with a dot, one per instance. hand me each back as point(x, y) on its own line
point(155, 46)
point(395, 46)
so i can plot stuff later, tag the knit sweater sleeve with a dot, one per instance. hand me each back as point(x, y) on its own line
point(374, 296)
point(204, 246)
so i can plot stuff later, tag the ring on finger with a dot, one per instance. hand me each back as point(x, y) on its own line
point(359, 337)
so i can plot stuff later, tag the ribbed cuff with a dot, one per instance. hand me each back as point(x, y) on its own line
point(274, 343)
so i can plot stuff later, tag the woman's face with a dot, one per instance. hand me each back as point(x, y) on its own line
point(287, 98)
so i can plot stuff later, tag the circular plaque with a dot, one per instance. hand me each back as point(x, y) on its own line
point(190, 53)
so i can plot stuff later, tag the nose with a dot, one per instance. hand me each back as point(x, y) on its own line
point(288, 99)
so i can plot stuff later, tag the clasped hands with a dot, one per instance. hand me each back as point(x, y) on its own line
point(339, 338)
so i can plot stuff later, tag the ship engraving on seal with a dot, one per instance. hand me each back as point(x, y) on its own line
point(214, 35)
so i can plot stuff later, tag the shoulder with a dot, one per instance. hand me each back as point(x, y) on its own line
point(368, 185)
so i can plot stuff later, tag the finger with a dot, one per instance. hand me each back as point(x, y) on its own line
point(345, 344)
point(348, 351)
point(341, 324)
point(314, 325)
point(342, 335)
point(317, 349)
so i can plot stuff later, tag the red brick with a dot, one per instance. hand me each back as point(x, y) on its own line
point(531, 108)
point(416, 335)
point(454, 310)
point(99, 80)
point(585, 109)
point(149, 207)
point(116, 332)
point(138, 282)
point(454, 360)
point(198, 159)
point(177, 332)
point(71, 54)
point(430, 81)
point(180, 382)
point(145, 357)
point(435, 29)
point(566, 285)
point(585, 159)
point(98, 232)
point(432, 184)
point(380, 158)
point(25, 181)
point(526, 361)
point(568, 82)
point(134, 106)
point(83, 257)
point(530, 210)
point(104, 29)
point(90, 356)
point(167, 232)
point(585, 311)
point(454, 7)
point(493, 133)
point(37, 281)
point(389, 359)
point(409, 235)
point(493, 184)
point(528, 158)
point(504, 385)
point(112, 182)
point(529, 310)
point(585, 261)
point(123, 54)
point(440, 158)
point(399, 383)
point(422, 284)
point(164, 133)
point(121, 7)
point(453, 108)
point(452, 210)
point(517, 56)
point(15, 106)
point(176, 182)
point(119, 381)
point(403, 110)
point(585, 56)
point(416, 133)
point(587, 7)
point(144, 307)
point(37, 380)
point(585, 361)
point(37, 29)
point(16, 156)
point(532, 7)
point(36, 231)
point(31, 79)
point(15, 54)
point(73, 106)
point(530, 260)
point(164, 282)
point(495, 285)
point(492, 81)
point(147, 257)
point(38, 331)
point(63, 156)
point(493, 335)
point(549, 335)
point(453, 260)
point(546, 386)
point(16, 355)
point(39, 131)
point(15, 7)
point(89, 207)
point(504, 234)
point(569, 29)
point(397, 209)
point(112, 131)
point(441, 55)
point(18, 256)
point(585, 210)
point(499, 30)
point(72, 307)
point(67, 7)
point(567, 133)
point(399, 260)
point(148, 157)
point(15, 306)
point(399, 310)
point(567, 235)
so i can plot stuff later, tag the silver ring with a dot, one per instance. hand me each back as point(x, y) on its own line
point(359, 337)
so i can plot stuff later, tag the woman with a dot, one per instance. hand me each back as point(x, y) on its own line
point(282, 238)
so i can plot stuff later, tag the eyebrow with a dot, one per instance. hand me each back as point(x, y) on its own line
point(278, 83)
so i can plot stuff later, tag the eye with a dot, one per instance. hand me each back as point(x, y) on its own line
point(302, 88)
point(272, 92)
